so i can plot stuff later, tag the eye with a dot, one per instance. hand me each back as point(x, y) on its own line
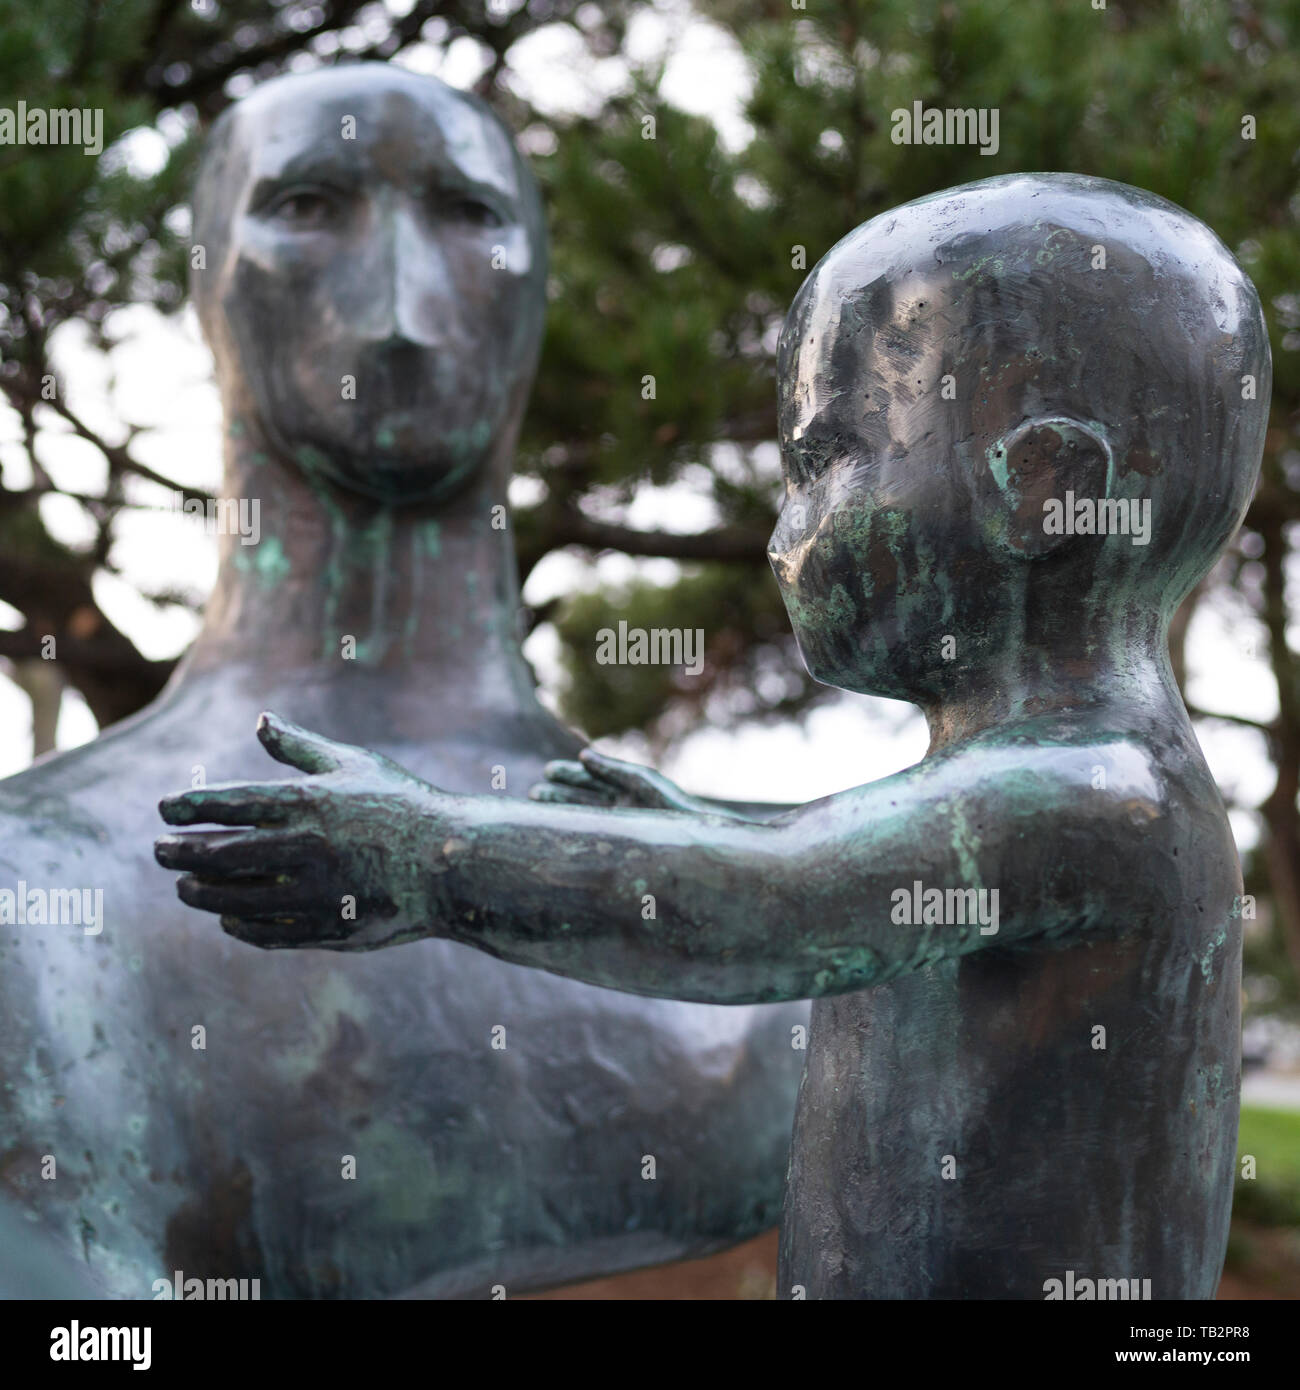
point(813, 455)
point(304, 209)
point(472, 212)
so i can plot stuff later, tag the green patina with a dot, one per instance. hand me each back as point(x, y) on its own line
point(373, 545)
point(990, 264)
point(998, 461)
point(414, 1189)
point(314, 467)
point(966, 846)
point(1216, 944)
point(467, 445)
point(266, 561)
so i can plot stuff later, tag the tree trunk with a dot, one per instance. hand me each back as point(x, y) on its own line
point(42, 683)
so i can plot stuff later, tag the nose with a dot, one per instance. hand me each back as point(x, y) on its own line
point(404, 291)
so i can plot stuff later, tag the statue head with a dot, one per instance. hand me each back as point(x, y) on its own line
point(374, 280)
point(1026, 413)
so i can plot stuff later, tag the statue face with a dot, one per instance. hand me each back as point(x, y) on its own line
point(874, 512)
point(858, 545)
point(380, 288)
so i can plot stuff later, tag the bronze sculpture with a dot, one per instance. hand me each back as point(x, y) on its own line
point(1019, 420)
point(372, 285)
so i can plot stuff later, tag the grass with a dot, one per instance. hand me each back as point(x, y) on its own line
point(1272, 1138)
point(1264, 1243)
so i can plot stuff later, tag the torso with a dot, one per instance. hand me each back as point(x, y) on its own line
point(474, 1166)
point(1113, 1164)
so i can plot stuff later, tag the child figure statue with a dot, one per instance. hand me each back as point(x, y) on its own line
point(1019, 421)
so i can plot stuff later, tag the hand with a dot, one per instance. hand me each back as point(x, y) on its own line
point(599, 780)
point(332, 861)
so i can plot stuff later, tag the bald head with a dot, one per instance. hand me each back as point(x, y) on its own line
point(952, 367)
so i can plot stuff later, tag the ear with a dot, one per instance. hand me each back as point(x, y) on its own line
point(1030, 471)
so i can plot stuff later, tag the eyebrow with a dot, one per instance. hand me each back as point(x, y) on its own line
point(454, 177)
point(313, 166)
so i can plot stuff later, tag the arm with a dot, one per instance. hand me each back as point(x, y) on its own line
point(693, 907)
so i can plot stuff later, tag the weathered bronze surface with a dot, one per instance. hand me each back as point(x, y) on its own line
point(372, 259)
point(1015, 1090)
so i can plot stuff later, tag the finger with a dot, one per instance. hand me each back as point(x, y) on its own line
point(572, 774)
point(224, 852)
point(571, 796)
point(643, 784)
point(236, 803)
point(288, 932)
point(267, 897)
point(299, 747)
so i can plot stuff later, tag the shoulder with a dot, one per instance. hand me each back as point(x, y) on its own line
point(71, 798)
point(1062, 836)
point(1022, 783)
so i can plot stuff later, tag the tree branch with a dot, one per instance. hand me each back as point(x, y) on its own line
point(555, 524)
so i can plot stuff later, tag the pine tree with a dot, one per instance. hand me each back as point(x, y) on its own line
point(675, 256)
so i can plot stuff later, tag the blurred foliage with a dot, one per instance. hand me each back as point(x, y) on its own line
point(738, 621)
point(674, 259)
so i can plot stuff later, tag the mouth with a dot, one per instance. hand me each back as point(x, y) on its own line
point(398, 376)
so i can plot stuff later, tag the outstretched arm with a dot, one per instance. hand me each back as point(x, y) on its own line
point(693, 907)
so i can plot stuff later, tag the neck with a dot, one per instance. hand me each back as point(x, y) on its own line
point(419, 597)
point(1125, 687)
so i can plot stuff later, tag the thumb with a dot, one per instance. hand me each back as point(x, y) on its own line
point(298, 747)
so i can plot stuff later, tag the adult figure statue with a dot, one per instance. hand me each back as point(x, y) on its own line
point(425, 1122)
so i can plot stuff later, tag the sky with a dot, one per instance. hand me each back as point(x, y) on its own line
point(159, 377)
